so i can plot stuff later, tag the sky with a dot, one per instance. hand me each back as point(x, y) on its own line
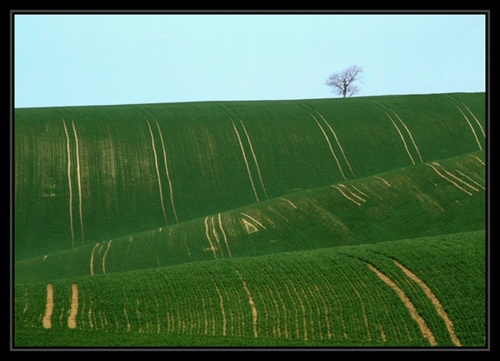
point(132, 58)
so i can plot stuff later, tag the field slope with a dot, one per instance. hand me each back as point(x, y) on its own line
point(346, 222)
point(398, 293)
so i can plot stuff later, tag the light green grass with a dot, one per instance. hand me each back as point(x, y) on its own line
point(320, 297)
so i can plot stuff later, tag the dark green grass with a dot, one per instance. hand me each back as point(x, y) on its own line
point(417, 202)
point(115, 189)
point(70, 339)
point(326, 297)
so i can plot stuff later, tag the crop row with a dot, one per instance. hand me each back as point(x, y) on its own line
point(351, 295)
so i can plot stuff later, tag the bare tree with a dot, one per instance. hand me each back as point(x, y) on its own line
point(342, 82)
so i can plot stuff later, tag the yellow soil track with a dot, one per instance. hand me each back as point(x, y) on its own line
point(252, 305)
point(207, 234)
point(402, 138)
point(166, 171)
point(253, 219)
point(409, 133)
point(91, 322)
point(157, 171)
point(338, 142)
point(426, 332)
point(205, 317)
point(79, 179)
point(478, 159)
point(470, 179)
point(104, 257)
point(361, 192)
point(448, 179)
point(127, 317)
point(245, 159)
point(455, 177)
point(68, 147)
point(254, 157)
point(92, 259)
point(49, 307)
point(249, 227)
point(346, 196)
point(352, 193)
point(477, 121)
point(289, 202)
point(224, 235)
point(74, 306)
point(432, 297)
point(329, 145)
point(223, 311)
point(303, 309)
point(277, 328)
point(471, 127)
point(383, 180)
point(216, 236)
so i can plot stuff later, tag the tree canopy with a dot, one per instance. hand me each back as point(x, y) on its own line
point(342, 83)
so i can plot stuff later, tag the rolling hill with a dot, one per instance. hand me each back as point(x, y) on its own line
point(332, 222)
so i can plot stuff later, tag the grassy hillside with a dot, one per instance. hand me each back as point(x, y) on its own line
point(329, 222)
point(87, 174)
point(426, 199)
point(399, 293)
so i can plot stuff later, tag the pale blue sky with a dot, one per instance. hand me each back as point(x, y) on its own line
point(103, 59)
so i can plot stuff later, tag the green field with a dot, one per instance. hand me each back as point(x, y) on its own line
point(355, 222)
